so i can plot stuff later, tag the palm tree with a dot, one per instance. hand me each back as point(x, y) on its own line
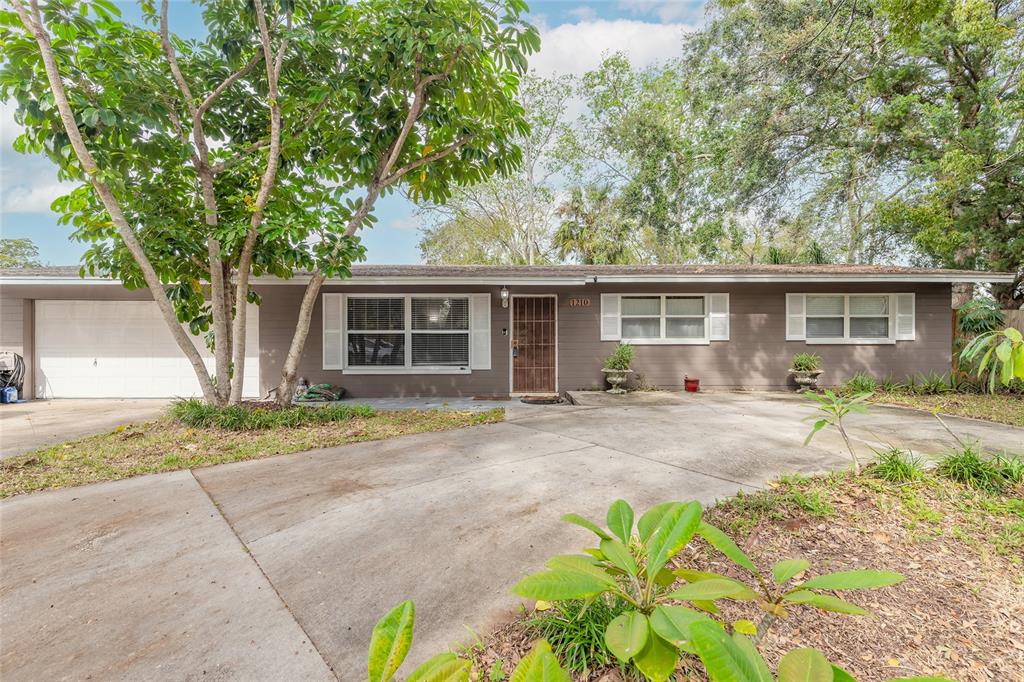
point(591, 230)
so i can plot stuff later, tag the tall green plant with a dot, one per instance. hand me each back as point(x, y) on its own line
point(832, 408)
point(1002, 356)
point(631, 564)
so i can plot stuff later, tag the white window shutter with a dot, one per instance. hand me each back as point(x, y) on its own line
point(905, 314)
point(480, 326)
point(611, 322)
point(795, 318)
point(333, 334)
point(719, 316)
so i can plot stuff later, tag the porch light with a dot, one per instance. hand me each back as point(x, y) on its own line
point(504, 297)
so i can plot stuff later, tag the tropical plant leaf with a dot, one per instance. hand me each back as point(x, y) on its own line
point(804, 665)
point(586, 523)
point(743, 591)
point(706, 605)
point(675, 529)
point(755, 661)
point(620, 520)
point(657, 660)
point(852, 580)
point(540, 665)
point(784, 571)
point(390, 641)
point(723, 660)
point(707, 590)
point(580, 563)
point(724, 544)
point(446, 667)
point(626, 635)
point(672, 623)
point(619, 554)
point(745, 627)
point(840, 675)
point(651, 518)
point(829, 603)
point(559, 584)
point(799, 596)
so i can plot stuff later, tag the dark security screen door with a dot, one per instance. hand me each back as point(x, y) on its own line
point(533, 344)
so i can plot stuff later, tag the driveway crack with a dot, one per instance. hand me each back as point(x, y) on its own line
point(255, 561)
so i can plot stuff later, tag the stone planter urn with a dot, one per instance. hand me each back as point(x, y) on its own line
point(616, 377)
point(806, 379)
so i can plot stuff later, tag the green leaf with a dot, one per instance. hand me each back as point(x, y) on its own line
point(619, 554)
point(675, 529)
point(580, 563)
point(852, 580)
point(559, 584)
point(723, 660)
point(799, 596)
point(915, 679)
point(724, 544)
point(672, 623)
point(828, 603)
point(626, 635)
point(707, 590)
point(756, 662)
point(657, 660)
point(743, 592)
point(804, 665)
point(585, 523)
point(620, 520)
point(784, 571)
point(745, 627)
point(840, 675)
point(540, 665)
point(651, 518)
point(446, 667)
point(390, 642)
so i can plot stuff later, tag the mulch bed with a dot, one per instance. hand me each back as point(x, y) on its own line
point(959, 613)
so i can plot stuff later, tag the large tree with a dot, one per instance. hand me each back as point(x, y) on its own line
point(262, 148)
point(19, 253)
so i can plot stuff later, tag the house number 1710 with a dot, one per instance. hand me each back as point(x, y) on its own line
point(579, 302)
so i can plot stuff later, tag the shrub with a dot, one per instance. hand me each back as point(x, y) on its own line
point(575, 629)
point(1010, 468)
point(621, 358)
point(979, 316)
point(197, 414)
point(967, 466)
point(861, 382)
point(890, 385)
point(897, 466)
point(932, 384)
point(999, 356)
point(805, 362)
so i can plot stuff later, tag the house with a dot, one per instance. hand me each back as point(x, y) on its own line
point(409, 330)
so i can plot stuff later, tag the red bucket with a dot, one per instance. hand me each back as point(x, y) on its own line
point(692, 385)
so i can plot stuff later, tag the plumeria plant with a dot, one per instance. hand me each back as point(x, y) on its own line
point(674, 611)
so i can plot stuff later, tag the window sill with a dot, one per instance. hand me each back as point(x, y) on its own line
point(667, 342)
point(406, 370)
point(851, 342)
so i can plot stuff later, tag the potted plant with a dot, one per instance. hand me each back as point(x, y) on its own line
point(806, 368)
point(616, 367)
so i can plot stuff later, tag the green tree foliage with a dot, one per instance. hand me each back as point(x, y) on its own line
point(593, 230)
point(19, 253)
point(262, 148)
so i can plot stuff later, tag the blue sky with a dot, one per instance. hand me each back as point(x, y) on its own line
point(574, 35)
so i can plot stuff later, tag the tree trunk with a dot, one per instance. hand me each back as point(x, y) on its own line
point(34, 24)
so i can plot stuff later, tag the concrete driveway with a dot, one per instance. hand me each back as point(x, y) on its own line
point(38, 423)
point(278, 568)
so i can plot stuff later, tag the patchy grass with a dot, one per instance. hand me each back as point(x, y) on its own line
point(167, 445)
point(999, 407)
point(959, 613)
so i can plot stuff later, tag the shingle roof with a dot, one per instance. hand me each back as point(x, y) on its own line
point(498, 272)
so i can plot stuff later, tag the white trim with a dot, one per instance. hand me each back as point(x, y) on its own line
point(511, 333)
point(333, 300)
point(419, 369)
point(490, 280)
point(845, 340)
point(937, 278)
point(609, 301)
point(480, 331)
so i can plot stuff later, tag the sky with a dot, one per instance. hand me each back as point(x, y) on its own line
point(574, 36)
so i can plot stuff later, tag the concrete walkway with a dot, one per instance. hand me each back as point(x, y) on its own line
point(38, 423)
point(278, 568)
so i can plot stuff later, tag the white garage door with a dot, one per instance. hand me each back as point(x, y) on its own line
point(121, 349)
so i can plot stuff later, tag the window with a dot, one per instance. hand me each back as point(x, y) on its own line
point(849, 318)
point(407, 331)
point(664, 318)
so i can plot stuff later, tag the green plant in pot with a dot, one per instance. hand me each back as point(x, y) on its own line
point(617, 367)
point(806, 368)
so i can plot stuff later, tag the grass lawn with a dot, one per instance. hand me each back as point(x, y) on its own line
point(959, 613)
point(1000, 407)
point(167, 445)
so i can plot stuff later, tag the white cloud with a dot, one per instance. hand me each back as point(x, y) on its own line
point(28, 183)
point(666, 10)
point(579, 47)
point(406, 223)
point(583, 12)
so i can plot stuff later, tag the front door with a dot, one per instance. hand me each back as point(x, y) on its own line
point(534, 338)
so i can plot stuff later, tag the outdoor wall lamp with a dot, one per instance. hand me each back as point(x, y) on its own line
point(504, 297)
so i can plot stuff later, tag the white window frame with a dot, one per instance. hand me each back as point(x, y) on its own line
point(845, 339)
point(408, 331)
point(663, 340)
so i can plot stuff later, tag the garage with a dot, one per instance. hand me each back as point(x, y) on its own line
point(120, 349)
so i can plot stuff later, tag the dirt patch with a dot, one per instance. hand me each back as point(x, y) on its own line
point(959, 613)
point(1003, 408)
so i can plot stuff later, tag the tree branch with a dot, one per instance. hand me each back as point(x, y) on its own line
point(434, 156)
